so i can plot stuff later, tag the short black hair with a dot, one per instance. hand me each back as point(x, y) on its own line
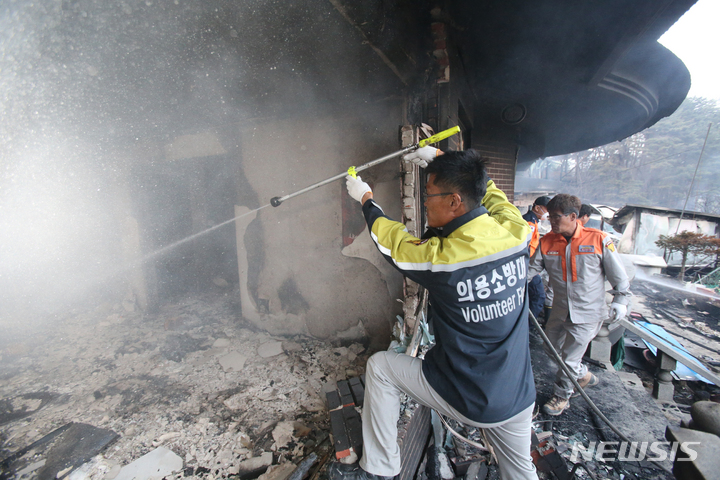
point(585, 209)
point(565, 204)
point(542, 201)
point(462, 172)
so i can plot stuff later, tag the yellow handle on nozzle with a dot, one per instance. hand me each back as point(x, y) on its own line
point(352, 172)
point(439, 136)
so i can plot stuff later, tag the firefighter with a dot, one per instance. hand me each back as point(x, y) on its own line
point(578, 260)
point(479, 370)
point(536, 290)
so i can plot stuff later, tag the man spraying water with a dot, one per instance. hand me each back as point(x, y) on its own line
point(473, 262)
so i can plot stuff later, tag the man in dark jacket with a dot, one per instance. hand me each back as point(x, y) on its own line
point(475, 271)
point(536, 290)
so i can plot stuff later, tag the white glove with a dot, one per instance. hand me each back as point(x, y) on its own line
point(422, 156)
point(356, 187)
point(617, 312)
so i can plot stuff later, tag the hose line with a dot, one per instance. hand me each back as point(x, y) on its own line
point(571, 376)
point(578, 388)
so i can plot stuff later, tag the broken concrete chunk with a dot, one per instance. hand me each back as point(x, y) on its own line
point(165, 437)
point(232, 362)
point(270, 349)
point(291, 346)
point(283, 434)
point(353, 333)
point(244, 440)
point(278, 472)
point(706, 416)
point(221, 343)
point(158, 463)
point(313, 404)
point(255, 464)
point(236, 402)
point(268, 394)
point(341, 351)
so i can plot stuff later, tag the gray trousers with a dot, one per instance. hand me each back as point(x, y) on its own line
point(570, 340)
point(387, 377)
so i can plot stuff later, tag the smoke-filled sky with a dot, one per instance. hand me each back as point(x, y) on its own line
point(695, 40)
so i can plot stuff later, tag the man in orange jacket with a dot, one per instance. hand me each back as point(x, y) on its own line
point(578, 260)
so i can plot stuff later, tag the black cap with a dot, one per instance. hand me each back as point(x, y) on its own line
point(542, 201)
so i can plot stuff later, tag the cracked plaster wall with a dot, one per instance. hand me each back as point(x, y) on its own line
point(305, 283)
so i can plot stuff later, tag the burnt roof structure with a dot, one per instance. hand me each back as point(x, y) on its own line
point(558, 77)
point(582, 74)
point(553, 77)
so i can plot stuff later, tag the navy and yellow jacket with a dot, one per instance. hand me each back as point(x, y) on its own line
point(476, 277)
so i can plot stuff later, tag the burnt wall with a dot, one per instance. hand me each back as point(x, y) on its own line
point(131, 128)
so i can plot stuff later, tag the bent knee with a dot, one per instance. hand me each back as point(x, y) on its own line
point(377, 362)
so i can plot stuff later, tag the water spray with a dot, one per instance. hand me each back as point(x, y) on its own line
point(276, 201)
point(353, 171)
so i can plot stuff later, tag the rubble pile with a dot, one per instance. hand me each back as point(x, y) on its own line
point(225, 399)
point(695, 322)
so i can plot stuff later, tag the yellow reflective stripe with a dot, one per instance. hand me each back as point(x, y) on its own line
point(504, 212)
point(479, 241)
point(394, 241)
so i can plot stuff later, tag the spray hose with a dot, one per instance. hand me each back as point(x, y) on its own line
point(353, 171)
point(571, 376)
point(579, 389)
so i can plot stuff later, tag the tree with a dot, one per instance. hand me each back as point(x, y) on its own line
point(653, 167)
point(687, 243)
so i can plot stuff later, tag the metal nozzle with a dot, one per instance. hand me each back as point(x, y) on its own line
point(352, 171)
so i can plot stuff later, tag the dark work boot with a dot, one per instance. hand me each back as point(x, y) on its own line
point(341, 471)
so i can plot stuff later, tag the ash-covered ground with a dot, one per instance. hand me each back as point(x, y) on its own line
point(230, 401)
point(190, 378)
point(694, 321)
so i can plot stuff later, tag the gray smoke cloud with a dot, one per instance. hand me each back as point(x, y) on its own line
point(84, 84)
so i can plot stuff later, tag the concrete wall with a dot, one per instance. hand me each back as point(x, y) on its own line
point(292, 270)
point(300, 280)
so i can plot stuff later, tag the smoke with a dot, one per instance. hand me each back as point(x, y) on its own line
point(91, 94)
point(56, 226)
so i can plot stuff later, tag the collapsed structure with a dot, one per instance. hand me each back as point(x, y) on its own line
point(139, 137)
point(148, 138)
